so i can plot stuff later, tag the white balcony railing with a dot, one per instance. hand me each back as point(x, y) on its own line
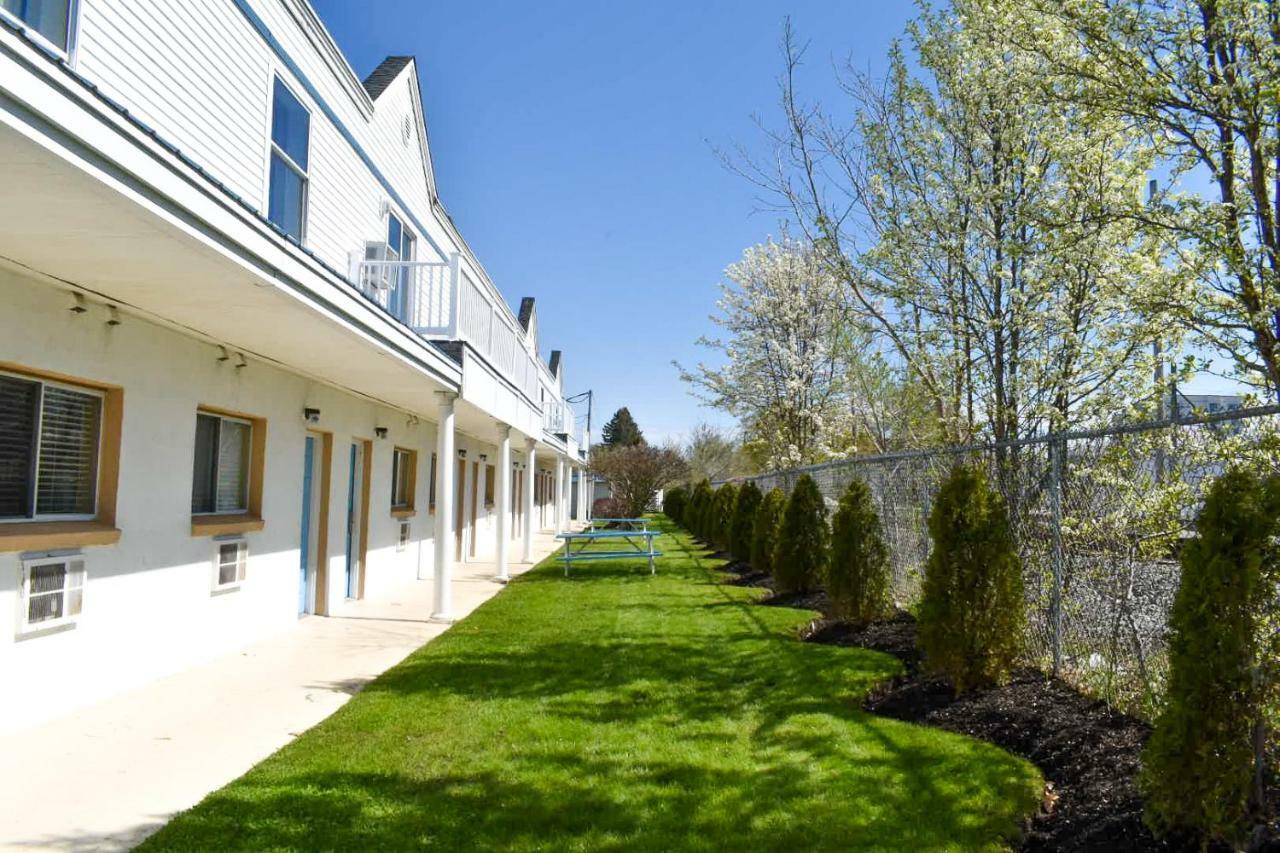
point(441, 300)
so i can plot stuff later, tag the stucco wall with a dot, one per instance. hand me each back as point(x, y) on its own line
point(148, 607)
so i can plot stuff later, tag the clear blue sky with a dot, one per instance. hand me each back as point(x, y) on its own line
point(573, 144)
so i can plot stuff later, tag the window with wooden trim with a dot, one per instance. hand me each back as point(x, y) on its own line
point(52, 592)
point(50, 435)
point(490, 473)
point(221, 469)
point(404, 469)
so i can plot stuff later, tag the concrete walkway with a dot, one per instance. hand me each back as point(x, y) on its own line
point(109, 775)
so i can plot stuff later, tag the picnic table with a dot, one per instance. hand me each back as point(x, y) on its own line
point(624, 523)
point(627, 544)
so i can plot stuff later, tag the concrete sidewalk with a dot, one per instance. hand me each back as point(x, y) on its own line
point(107, 776)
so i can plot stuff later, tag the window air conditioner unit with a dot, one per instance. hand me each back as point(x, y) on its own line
point(379, 274)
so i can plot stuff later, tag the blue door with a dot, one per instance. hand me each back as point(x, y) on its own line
point(304, 561)
point(355, 515)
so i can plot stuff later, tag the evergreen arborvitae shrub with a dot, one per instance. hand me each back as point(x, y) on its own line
point(699, 504)
point(764, 530)
point(744, 519)
point(972, 611)
point(858, 573)
point(673, 503)
point(726, 498)
point(1198, 766)
point(800, 557)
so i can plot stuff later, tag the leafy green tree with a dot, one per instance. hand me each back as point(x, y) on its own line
point(1201, 768)
point(859, 571)
point(800, 558)
point(621, 430)
point(722, 514)
point(972, 611)
point(674, 501)
point(764, 530)
point(744, 519)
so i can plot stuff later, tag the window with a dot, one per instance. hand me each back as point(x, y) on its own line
point(52, 592)
point(402, 541)
point(404, 467)
point(431, 500)
point(220, 477)
point(229, 561)
point(290, 149)
point(50, 18)
point(49, 436)
point(489, 471)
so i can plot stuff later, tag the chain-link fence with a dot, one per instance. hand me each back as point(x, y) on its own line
point(1099, 517)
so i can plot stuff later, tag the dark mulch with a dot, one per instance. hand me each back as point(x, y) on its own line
point(1089, 753)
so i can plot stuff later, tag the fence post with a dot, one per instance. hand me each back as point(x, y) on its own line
point(1057, 452)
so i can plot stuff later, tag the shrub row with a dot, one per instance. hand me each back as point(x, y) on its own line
point(1204, 767)
point(971, 618)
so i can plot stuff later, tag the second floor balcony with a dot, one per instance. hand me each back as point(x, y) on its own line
point(442, 300)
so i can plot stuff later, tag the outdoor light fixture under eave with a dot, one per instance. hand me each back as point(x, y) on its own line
point(462, 454)
point(484, 457)
point(312, 416)
point(380, 432)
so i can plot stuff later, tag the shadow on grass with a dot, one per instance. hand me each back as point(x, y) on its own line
point(620, 711)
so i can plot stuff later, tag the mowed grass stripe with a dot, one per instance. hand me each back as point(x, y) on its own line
point(614, 711)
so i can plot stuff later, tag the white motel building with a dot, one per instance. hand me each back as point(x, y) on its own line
point(249, 368)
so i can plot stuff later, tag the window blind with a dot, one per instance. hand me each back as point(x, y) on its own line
point(68, 452)
point(233, 467)
point(19, 402)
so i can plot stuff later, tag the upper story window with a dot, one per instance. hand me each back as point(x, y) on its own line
point(50, 18)
point(290, 154)
point(49, 437)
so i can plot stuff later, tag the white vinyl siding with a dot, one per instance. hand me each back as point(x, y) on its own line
point(194, 72)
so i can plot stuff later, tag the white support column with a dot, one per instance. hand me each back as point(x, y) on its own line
point(444, 510)
point(504, 498)
point(584, 500)
point(558, 503)
point(531, 469)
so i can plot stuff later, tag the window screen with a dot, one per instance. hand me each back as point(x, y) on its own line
point(220, 468)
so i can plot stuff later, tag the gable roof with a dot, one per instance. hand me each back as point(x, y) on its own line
point(378, 81)
point(555, 363)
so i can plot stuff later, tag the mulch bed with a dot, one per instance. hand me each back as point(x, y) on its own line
point(1089, 753)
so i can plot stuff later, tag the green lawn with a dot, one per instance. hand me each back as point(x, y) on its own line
point(619, 711)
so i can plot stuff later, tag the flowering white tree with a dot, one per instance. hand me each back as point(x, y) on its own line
point(989, 234)
point(786, 321)
point(1199, 78)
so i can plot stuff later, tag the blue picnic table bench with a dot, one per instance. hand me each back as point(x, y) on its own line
point(622, 523)
point(638, 544)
